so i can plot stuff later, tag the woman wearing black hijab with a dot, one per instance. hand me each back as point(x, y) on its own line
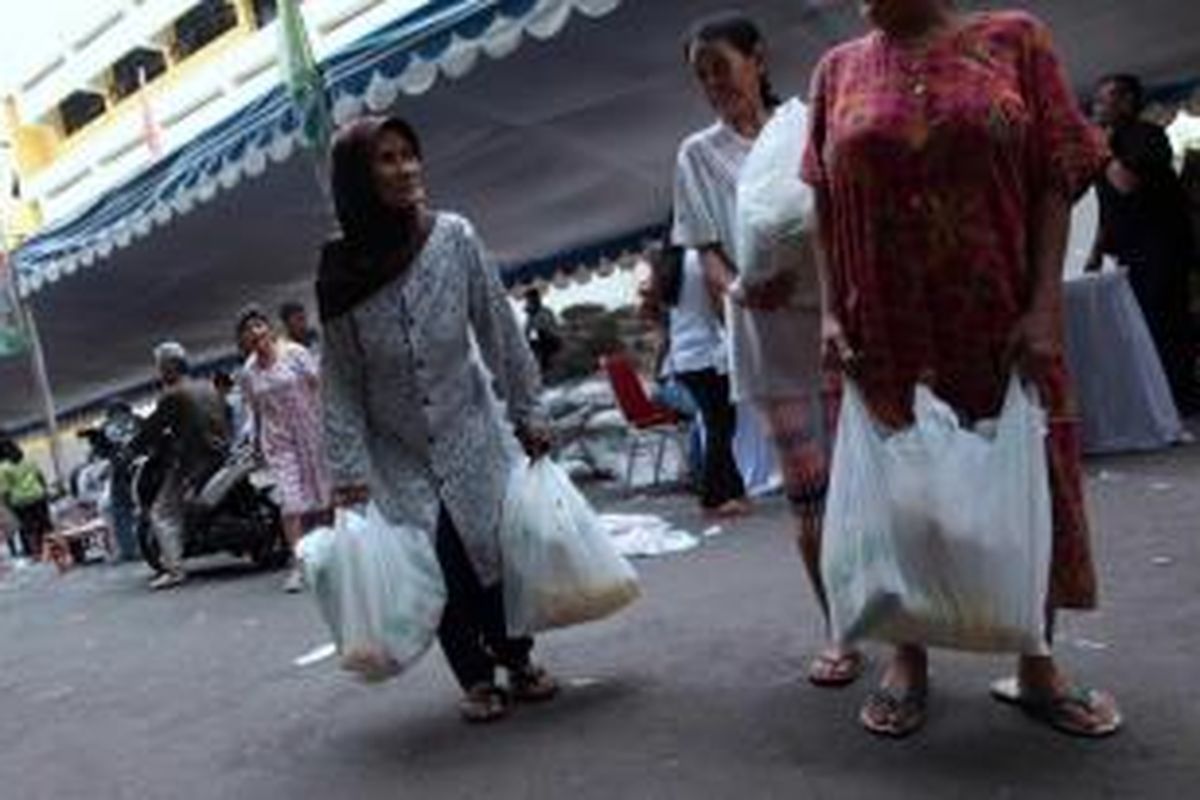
point(430, 392)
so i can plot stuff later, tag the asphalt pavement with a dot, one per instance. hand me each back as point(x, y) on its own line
point(110, 691)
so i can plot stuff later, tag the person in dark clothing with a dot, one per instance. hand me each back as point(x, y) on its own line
point(118, 430)
point(1189, 176)
point(190, 429)
point(696, 356)
point(1144, 224)
point(541, 330)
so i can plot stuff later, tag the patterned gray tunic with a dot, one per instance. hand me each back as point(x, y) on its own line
point(423, 382)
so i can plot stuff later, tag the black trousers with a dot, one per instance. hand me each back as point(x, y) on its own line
point(722, 481)
point(35, 523)
point(472, 632)
point(1164, 304)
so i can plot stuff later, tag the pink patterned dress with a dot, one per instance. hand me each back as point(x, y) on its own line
point(930, 164)
point(285, 399)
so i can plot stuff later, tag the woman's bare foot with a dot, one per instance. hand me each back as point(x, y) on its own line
point(1042, 691)
point(484, 703)
point(897, 708)
point(731, 508)
point(532, 684)
point(836, 667)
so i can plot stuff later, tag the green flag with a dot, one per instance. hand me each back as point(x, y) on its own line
point(303, 78)
point(13, 338)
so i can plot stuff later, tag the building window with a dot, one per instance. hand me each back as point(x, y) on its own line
point(206, 21)
point(80, 108)
point(127, 74)
point(265, 11)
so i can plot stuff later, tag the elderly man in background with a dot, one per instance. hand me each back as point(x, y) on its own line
point(189, 429)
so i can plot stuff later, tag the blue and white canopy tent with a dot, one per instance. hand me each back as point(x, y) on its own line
point(552, 123)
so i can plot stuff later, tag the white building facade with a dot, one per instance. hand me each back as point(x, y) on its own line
point(129, 81)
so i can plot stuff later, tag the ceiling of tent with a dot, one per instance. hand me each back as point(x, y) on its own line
point(564, 143)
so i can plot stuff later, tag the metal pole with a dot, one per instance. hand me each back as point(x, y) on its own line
point(41, 376)
point(37, 358)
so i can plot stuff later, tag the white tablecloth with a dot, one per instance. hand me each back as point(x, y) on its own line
point(755, 453)
point(1123, 394)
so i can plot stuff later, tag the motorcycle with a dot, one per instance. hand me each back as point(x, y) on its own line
point(232, 513)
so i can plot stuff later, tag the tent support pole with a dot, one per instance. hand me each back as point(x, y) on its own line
point(41, 376)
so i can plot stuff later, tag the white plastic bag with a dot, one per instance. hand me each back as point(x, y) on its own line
point(379, 588)
point(775, 208)
point(560, 566)
point(775, 353)
point(939, 534)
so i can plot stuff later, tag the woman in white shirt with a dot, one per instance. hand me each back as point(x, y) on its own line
point(727, 54)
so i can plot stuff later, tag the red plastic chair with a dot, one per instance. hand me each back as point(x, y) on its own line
point(653, 425)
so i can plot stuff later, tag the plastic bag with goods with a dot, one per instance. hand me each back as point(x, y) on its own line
point(940, 534)
point(561, 567)
point(379, 588)
point(775, 208)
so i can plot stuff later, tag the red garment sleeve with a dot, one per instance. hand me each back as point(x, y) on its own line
point(1066, 152)
point(813, 169)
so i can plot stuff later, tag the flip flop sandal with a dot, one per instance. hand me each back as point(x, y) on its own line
point(483, 704)
point(894, 713)
point(730, 510)
point(1061, 711)
point(532, 685)
point(836, 672)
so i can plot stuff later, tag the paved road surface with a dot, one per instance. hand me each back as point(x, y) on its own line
point(107, 691)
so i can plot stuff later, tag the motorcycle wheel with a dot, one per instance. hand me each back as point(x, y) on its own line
point(270, 551)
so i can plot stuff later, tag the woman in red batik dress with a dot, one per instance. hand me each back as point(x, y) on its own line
point(946, 149)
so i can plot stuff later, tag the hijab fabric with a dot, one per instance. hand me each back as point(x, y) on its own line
point(374, 248)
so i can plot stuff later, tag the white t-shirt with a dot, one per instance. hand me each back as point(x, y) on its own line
point(697, 341)
point(706, 173)
point(773, 354)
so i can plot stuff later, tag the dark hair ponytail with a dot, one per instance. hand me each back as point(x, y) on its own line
point(739, 32)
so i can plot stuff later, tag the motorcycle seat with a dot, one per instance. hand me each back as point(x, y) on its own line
point(217, 487)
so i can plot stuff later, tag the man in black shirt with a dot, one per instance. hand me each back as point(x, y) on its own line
point(1144, 224)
